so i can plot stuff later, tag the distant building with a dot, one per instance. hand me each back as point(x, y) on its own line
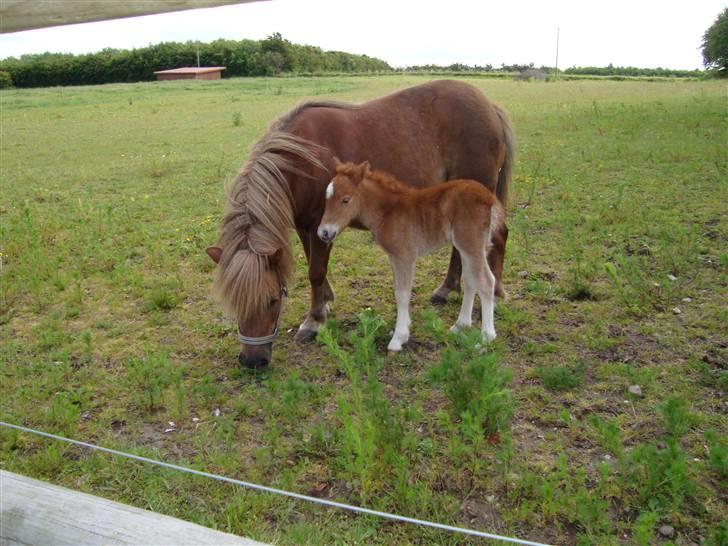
point(531, 74)
point(191, 73)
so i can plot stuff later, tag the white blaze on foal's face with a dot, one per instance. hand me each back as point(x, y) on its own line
point(336, 214)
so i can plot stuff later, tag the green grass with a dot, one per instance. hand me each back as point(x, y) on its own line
point(616, 267)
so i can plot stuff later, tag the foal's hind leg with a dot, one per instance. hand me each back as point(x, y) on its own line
point(477, 277)
point(485, 286)
point(451, 282)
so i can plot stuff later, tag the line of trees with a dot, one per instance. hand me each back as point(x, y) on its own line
point(611, 70)
point(268, 57)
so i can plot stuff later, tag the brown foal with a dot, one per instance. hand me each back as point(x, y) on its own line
point(408, 222)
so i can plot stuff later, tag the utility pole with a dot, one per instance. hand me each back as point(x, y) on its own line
point(198, 55)
point(557, 47)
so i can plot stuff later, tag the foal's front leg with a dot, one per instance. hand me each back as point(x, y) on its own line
point(404, 269)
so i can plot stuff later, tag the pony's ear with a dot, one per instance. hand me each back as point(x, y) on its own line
point(214, 252)
point(275, 259)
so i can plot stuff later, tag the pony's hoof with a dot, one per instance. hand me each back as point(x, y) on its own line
point(305, 336)
point(500, 292)
point(489, 336)
point(437, 299)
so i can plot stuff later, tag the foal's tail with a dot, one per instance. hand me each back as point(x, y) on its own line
point(504, 175)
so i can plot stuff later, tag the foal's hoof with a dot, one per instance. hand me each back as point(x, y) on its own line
point(394, 346)
point(305, 336)
point(437, 299)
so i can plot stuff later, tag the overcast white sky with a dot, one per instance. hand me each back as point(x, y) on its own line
point(643, 33)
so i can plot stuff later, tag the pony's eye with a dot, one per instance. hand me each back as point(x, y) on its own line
point(345, 200)
point(272, 302)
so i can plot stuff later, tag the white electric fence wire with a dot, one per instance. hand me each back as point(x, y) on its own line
point(275, 491)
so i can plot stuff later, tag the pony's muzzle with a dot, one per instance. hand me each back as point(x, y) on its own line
point(327, 233)
point(256, 362)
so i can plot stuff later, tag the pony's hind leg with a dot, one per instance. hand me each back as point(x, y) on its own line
point(403, 274)
point(451, 283)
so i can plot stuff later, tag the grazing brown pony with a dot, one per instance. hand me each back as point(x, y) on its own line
point(409, 222)
point(423, 135)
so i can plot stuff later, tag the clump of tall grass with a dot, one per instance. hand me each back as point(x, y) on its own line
point(152, 375)
point(375, 443)
point(475, 382)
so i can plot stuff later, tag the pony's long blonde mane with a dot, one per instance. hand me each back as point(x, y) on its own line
point(254, 235)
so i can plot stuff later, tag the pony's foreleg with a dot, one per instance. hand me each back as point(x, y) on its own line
point(321, 292)
point(305, 237)
point(403, 273)
point(452, 280)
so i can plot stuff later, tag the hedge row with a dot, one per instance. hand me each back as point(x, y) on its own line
point(268, 57)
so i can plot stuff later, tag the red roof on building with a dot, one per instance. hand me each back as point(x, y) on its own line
point(192, 70)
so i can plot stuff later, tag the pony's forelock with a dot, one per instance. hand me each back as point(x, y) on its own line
point(254, 234)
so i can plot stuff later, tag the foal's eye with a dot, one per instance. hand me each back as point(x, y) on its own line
point(345, 200)
point(272, 302)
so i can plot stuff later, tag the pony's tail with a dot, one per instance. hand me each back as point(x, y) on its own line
point(504, 175)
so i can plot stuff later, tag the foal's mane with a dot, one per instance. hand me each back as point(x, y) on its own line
point(255, 229)
point(381, 178)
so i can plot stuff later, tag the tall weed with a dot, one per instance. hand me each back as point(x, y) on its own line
point(475, 382)
point(375, 442)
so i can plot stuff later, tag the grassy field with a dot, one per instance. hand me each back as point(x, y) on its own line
point(599, 415)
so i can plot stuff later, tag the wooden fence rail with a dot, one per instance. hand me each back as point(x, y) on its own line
point(35, 512)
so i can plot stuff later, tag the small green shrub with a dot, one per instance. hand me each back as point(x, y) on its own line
point(63, 413)
point(562, 378)
point(662, 477)
point(375, 442)
point(162, 299)
point(718, 455)
point(152, 375)
point(6, 80)
point(476, 383)
point(609, 435)
point(643, 530)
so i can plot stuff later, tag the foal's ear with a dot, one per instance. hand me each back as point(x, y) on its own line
point(214, 252)
point(361, 171)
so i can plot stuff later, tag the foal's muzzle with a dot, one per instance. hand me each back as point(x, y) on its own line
point(327, 233)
